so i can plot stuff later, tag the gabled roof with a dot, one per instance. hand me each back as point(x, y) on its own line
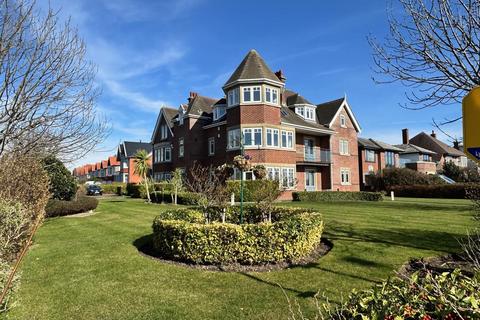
point(252, 67)
point(327, 112)
point(112, 161)
point(131, 147)
point(290, 117)
point(104, 164)
point(411, 148)
point(430, 142)
point(377, 145)
point(200, 105)
point(297, 99)
point(168, 114)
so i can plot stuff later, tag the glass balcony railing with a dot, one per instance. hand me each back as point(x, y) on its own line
point(314, 154)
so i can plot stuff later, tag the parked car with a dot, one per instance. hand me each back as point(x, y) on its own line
point(93, 190)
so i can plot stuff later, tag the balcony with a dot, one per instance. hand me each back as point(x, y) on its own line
point(313, 155)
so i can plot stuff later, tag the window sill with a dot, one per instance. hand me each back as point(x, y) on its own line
point(345, 184)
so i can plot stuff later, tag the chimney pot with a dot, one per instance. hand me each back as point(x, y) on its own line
point(405, 137)
point(434, 135)
point(456, 144)
point(192, 95)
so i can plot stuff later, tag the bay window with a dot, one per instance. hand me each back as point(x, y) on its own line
point(272, 137)
point(233, 97)
point(247, 94)
point(287, 139)
point(252, 136)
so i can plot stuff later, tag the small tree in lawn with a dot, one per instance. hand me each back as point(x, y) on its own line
point(209, 185)
point(142, 168)
point(177, 183)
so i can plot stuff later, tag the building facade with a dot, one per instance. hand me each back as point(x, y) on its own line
point(305, 146)
point(125, 157)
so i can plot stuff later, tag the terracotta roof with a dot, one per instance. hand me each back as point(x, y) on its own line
point(326, 111)
point(429, 142)
point(104, 164)
point(252, 67)
point(112, 161)
point(98, 166)
point(411, 148)
point(377, 145)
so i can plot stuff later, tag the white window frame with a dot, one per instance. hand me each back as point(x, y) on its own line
point(344, 147)
point(163, 132)
point(252, 132)
point(272, 133)
point(233, 139)
point(300, 111)
point(219, 112)
point(275, 96)
point(256, 89)
point(244, 91)
point(371, 153)
point(268, 95)
point(309, 113)
point(233, 97)
point(211, 146)
point(288, 139)
point(287, 177)
point(343, 121)
point(345, 177)
point(163, 154)
point(181, 147)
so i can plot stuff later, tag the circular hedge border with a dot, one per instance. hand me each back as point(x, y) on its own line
point(182, 235)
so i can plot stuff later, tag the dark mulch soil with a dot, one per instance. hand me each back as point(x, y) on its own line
point(438, 265)
point(322, 249)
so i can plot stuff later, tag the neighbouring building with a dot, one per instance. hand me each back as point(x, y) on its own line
point(125, 156)
point(374, 156)
point(113, 169)
point(415, 157)
point(443, 152)
point(305, 146)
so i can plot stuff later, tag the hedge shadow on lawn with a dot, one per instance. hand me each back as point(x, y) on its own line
point(144, 246)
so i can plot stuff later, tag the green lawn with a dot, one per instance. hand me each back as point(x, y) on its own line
point(89, 268)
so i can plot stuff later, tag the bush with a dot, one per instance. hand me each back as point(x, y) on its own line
point(185, 198)
point(62, 182)
point(58, 208)
point(452, 171)
point(114, 188)
point(15, 223)
point(250, 188)
point(423, 296)
point(8, 302)
point(337, 196)
point(293, 235)
point(401, 177)
point(448, 191)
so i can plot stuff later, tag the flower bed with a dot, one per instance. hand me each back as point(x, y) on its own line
point(182, 235)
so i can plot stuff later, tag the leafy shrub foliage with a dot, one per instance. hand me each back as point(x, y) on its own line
point(401, 177)
point(62, 182)
point(337, 196)
point(424, 296)
point(449, 191)
point(293, 234)
point(114, 188)
point(185, 198)
point(57, 208)
point(8, 302)
point(15, 223)
point(458, 174)
point(250, 188)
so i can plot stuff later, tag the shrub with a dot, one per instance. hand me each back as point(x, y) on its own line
point(15, 223)
point(185, 198)
point(452, 171)
point(62, 182)
point(293, 235)
point(250, 188)
point(424, 296)
point(57, 208)
point(8, 302)
point(401, 177)
point(135, 190)
point(449, 191)
point(114, 188)
point(337, 196)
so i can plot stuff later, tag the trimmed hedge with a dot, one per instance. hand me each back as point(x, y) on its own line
point(250, 187)
point(135, 190)
point(182, 235)
point(337, 196)
point(186, 198)
point(114, 188)
point(57, 208)
point(447, 191)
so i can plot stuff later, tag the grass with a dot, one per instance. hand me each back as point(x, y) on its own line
point(89, 268)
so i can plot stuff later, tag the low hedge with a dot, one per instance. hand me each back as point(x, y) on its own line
point(182, 235)
point(186, 198)
point(337, 196)
point(57, 208)
point(137, 190)
point(446, 191)
point(114, 188)
point(249, 188)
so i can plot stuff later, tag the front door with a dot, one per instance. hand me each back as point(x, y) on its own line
point(309, 153)
point(310, 180)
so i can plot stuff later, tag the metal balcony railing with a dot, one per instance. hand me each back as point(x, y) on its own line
point(314, 154)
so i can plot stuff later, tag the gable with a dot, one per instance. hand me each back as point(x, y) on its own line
point(162, 119)
point(347, 111)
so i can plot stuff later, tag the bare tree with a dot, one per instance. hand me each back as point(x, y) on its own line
point(434, 48)
point(47, 90)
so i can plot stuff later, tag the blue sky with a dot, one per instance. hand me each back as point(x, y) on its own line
point(152, 53)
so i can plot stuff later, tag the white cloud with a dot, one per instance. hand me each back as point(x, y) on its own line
point(137, 98)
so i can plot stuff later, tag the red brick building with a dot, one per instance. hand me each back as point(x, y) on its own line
point(305, 146)
point(125, 157)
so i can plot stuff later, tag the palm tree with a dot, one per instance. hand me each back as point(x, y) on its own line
point(142, 167)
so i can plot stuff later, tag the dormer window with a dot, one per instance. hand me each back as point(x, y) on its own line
point(218, 112)
point(233, 97)
point(306, 112)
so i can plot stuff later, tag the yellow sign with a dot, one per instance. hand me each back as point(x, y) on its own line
point(471, 124)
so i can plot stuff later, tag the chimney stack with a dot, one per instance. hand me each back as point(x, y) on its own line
point(192, 95)
point(405, 137)
point(456, 144)
point(433, 135)
point(280, 76)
